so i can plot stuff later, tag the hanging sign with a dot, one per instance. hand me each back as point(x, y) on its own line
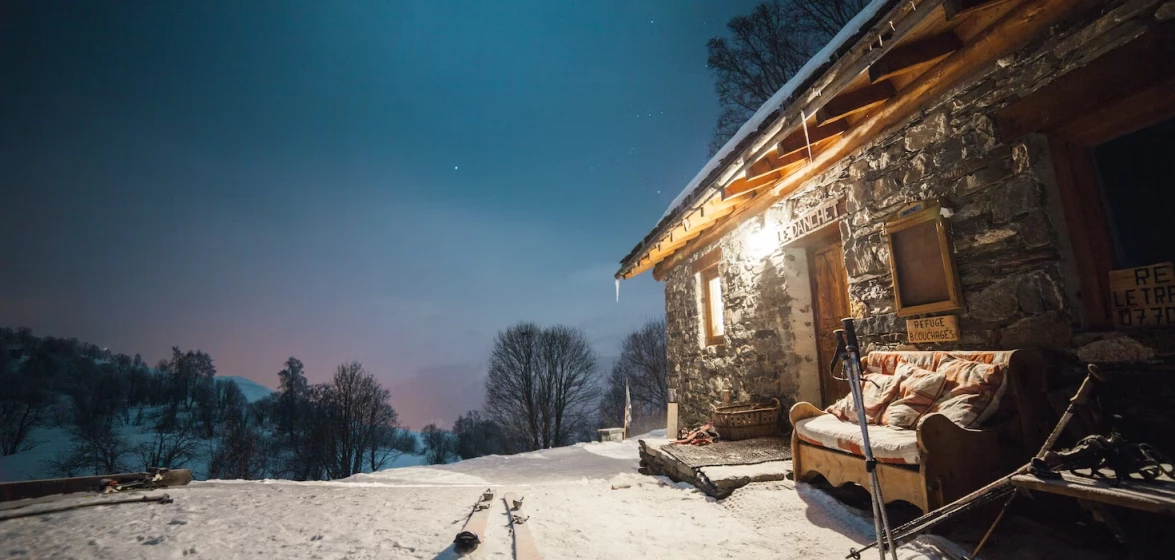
point(932, 329)
point(1143, 296)
point(812, 220)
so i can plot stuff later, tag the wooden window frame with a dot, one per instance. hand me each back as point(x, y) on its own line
point(706, 275)
point(929, 213)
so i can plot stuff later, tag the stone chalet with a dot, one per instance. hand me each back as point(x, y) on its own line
point(956, 175)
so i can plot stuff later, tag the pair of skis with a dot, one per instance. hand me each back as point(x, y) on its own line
point(473, 533)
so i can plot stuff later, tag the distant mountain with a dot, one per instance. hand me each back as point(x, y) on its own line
point(253, 391)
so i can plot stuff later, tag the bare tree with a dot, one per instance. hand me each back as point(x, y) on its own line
point(357, 411)
point(24, 403)
point(540, 384)
point(439, 445)
point(476, 435)
point(173, 444)
point(765, 49)
point(643, 365)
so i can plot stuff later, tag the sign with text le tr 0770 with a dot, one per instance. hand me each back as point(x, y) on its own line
point(1143, 296)
point(932, 329)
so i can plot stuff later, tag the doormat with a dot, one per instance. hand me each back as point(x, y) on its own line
point(742, 452)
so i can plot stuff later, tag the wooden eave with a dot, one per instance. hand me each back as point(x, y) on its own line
point(857, 106)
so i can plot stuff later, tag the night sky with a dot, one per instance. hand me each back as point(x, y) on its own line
point(391, 182)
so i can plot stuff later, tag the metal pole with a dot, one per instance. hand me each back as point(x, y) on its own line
point(852, 365)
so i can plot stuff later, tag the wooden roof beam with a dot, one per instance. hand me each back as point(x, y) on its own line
point(1147, 60)
point(797, 141)
point(1010, 31)
point(856, 101)
point(919, 54)
point(962, 8)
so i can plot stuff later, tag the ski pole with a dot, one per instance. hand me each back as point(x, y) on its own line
point(852, 364)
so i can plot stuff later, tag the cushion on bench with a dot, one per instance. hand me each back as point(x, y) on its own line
point(890, 445)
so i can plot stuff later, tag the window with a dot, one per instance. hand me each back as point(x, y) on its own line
point(712, 306)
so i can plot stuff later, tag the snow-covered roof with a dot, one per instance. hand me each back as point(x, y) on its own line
point(764, 117)
point(776, 103)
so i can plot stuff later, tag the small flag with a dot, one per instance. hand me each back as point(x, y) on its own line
point(627, 408)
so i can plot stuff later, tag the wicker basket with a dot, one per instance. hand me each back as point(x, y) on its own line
point(746, 421)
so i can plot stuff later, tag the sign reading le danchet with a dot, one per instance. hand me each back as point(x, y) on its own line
point(932, 329)
point(812, 220)
point(1144, 296)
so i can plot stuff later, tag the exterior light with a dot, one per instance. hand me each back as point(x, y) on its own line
point(762, 242)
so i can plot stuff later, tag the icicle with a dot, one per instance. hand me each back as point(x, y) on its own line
point(804, 120)
point(617, 290)
point(880, 43)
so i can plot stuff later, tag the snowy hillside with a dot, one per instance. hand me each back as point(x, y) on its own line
point(253, 390)
point(584, 501)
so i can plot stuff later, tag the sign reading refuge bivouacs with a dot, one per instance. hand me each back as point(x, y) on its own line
point(1144, 296)
point(812, 220)
point(932, 329)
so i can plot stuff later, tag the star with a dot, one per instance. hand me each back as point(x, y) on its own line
point(454, 168)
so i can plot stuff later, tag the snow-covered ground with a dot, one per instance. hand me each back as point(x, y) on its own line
point(584, 501)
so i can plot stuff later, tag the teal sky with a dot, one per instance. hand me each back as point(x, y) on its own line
point(391, 182)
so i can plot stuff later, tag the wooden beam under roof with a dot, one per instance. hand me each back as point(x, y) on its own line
point(797, 141)
point(1130, 68)
point(907, 58)
point(1007, 33)
point(744, 185)
point(960, 8)
point(856, 101)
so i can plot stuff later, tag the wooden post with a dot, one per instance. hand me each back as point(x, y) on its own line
point(671, 421)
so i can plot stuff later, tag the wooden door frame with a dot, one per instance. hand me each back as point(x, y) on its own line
point(824, 242)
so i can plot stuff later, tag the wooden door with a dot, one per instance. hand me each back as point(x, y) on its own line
point(830, 304)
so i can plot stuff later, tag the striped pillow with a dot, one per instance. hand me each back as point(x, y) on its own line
point(919, 391)
point(972, 391)
point(877, 390)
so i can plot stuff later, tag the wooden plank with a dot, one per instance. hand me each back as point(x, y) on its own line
point(856, 101)
point(1132, 67)
point(37, 488)
point(743, 185)
point(897, 483)
point(706, 261)
point(1088, 226)
point(796, 142)
point(910, 57)
point(1011, 31)
point(1155, 498)
point(961, 8)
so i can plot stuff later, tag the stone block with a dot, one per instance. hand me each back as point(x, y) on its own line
point(1048, 330)
point(1035, 230)
point(996, 303)
point(865, 256)
point(1015, 198)
point(1038, 292)
point(935, 128)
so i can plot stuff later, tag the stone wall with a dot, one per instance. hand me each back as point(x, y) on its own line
point(1014, 265)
